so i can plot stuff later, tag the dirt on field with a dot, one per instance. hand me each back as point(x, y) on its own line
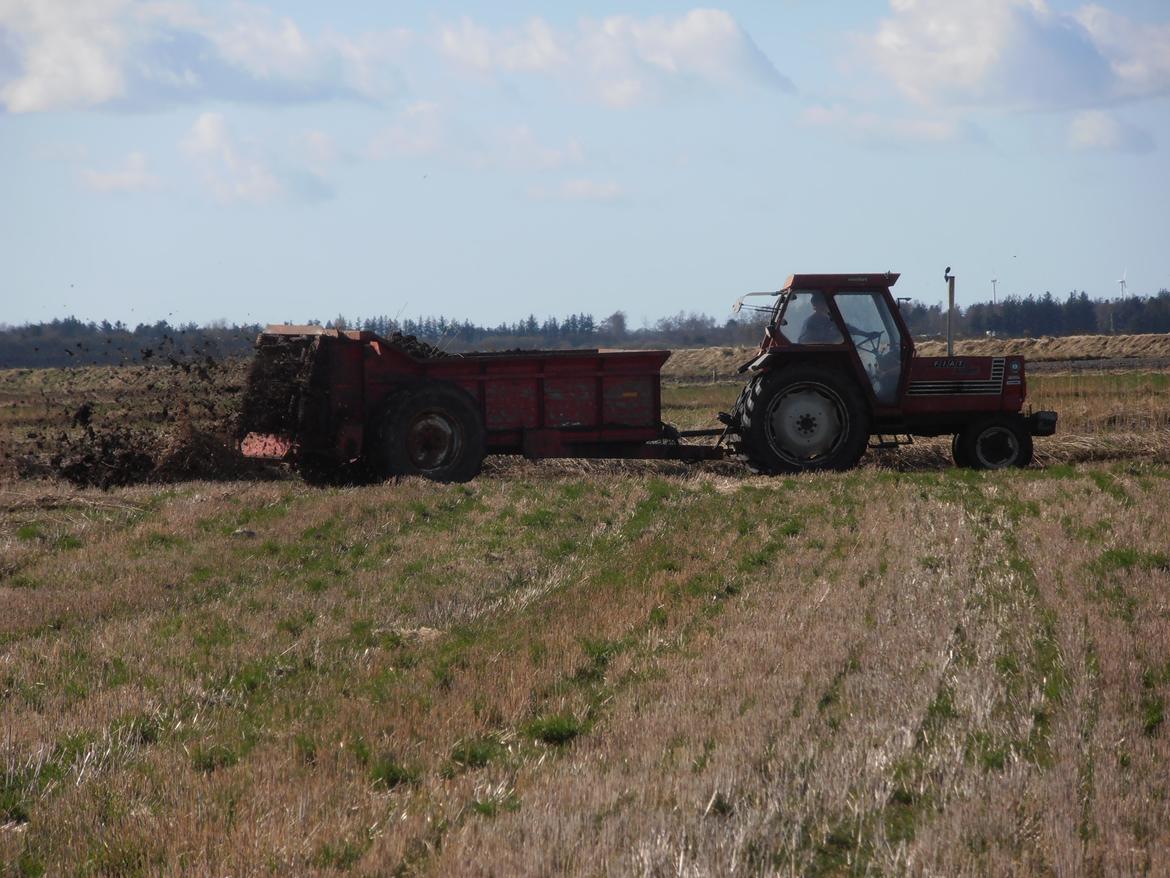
point(156, 428)
point(178, 420)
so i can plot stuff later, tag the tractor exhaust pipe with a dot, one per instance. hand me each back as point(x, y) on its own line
point(950, 279)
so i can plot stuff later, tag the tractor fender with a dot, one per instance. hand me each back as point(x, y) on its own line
point(777, 359)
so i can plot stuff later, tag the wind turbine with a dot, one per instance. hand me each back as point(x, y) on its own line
point(1122, 282)
point(994, 281)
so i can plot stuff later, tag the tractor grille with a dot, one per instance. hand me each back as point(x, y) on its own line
point(992, 386)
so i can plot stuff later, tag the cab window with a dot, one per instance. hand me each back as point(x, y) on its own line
point(876, 339)
point(805, 319)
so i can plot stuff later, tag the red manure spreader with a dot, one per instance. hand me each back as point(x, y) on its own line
point(835, 374)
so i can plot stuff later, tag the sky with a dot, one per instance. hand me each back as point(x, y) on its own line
point(192, 160)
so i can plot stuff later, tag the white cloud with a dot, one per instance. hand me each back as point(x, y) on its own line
point(281, 60)
point(1138, 53)
point(580, 190)
point(62, 151)
point(69, 53)
point(133, 176)
point(533, 47)
point(622, 60)
point(233, 173)
point(138, 54)
point(418, 131)
point(519, 148)
point(877, 129)
point(149, 54)
point(425, 130)
point(316, 148)
point(1102, 131)
point(1018, 54)
point(266, 46)
point(591, 190)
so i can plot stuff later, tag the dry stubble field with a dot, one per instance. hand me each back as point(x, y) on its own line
point(603, 668)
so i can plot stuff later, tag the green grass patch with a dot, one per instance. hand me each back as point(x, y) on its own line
point(29, 533)
point(829, 704)
point(939, 712)
point(213, 757)
point(1128, 558)
point(539, 518)
point(649, 510)
point(295, 625)
point(214, 633)
point(387, 772)
point(477, 752)
point(556, 729)
point(1152, 704)
point(492, 806)
point(342, 855)
point(158, 541)
point(1107, 484)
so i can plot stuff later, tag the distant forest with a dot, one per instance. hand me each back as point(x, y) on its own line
point(72, 342)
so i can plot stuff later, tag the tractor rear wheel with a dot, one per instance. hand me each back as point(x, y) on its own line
point(434, 431)
point(802, 418)
point(995, 442)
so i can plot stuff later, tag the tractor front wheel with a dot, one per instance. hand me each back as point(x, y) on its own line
point(958, 454)
point(996, 442)
point(434, 431)
point(802, 418)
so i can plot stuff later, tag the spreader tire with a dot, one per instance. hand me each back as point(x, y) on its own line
point(434, 431)
point(996, 442)
point(802, 418)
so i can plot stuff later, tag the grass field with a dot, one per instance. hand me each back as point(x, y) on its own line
point(602, 668)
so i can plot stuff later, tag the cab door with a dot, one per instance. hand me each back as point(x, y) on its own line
point(877, 340)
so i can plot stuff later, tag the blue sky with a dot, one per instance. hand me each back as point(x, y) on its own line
point(230, 160)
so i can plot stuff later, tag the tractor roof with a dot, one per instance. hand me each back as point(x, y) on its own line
point(840, 281)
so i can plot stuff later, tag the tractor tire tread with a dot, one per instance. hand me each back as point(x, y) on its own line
point(763, 387)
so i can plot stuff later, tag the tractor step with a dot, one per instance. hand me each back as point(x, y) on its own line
point(880, 440)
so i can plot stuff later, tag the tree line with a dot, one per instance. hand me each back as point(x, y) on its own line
point(73, 342)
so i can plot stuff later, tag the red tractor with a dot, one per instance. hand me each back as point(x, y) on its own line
point(836, 369)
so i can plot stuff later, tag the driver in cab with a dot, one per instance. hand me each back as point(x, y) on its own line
point(819, 327)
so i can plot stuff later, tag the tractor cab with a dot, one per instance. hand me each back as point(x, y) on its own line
point(849, 318)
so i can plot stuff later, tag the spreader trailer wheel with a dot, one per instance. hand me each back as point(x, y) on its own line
point(434, 431)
